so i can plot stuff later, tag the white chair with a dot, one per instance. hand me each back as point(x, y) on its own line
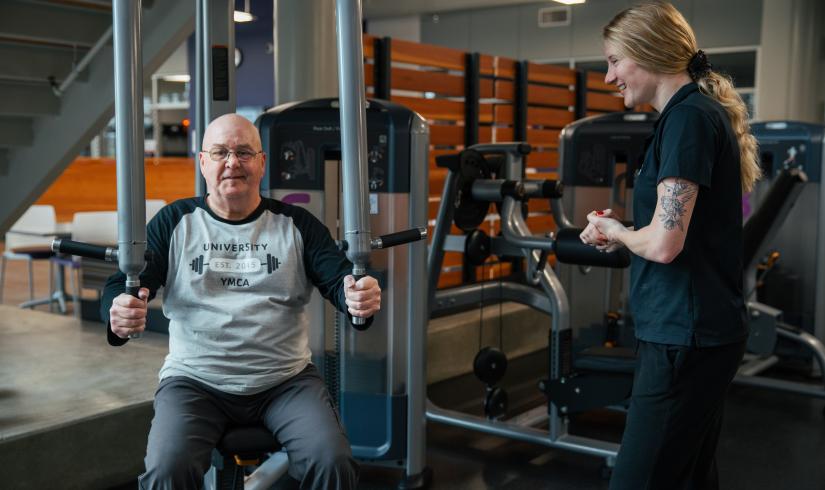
point(152, 208)
point(97, 227)
point(100, 228)
point(29, 239)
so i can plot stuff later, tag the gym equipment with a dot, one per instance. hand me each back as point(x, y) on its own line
point(489, 365)
point(242, 447)
point(214, 69)
point(377, 408)
point(800, 237)
point(598, 157)
point(131, 201)
point(598, 160)
point(469, 180)
point(376, 377)
point(353, 128)
point(780, 228)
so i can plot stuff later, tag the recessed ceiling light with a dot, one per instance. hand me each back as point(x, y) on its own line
point(241, 16)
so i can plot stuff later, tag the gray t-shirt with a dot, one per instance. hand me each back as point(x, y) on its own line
point(236, 291)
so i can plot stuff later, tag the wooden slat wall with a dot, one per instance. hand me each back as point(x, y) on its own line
point(603, 98)
point(550, 106)
point(504, 71)
point(437, 72)
point(551, 100)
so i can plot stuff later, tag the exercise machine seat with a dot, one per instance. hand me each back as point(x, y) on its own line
point(606, 359)
point(247, 442)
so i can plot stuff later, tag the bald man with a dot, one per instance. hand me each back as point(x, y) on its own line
point(238, 330)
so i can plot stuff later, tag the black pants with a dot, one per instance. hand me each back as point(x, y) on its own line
point(675, 417)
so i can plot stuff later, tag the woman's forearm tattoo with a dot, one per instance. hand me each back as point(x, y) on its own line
point(673, 203)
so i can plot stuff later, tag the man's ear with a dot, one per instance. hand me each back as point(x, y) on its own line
point(201, 161)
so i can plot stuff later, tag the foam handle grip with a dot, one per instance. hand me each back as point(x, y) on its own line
point(87, 250)
point(359, 323)
point(570, 250)
point(133, 291)
point(401, 237)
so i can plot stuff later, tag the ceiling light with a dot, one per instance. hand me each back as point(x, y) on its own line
point(243, 15)
point(570, 2)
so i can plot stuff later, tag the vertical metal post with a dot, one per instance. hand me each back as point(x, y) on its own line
point(471, 99)
point(435, 258)
point(200, 97)
point(520, 102)
point(418, 309)
point(581, 94)
point(131, 196)
point(471, 112)
point(216, 74)
point(382, 68)
point(353, 136)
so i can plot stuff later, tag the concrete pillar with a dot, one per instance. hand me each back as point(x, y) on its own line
point(790, 71)
point(306, 65)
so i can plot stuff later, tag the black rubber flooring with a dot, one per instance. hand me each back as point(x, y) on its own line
point(770, 440)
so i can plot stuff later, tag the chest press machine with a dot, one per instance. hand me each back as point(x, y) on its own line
point(404, 416)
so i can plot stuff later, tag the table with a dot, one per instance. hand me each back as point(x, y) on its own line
point(58, 295)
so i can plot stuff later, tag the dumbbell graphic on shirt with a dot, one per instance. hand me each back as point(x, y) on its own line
point(235, 266)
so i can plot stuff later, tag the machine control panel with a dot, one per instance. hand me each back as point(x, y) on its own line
point(300, 138)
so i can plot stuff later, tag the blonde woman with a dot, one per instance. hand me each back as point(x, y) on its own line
point(686, 276)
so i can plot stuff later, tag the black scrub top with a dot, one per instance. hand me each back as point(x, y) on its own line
point(697, 298)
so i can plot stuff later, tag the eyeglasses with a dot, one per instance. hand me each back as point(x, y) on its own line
point(219, 155)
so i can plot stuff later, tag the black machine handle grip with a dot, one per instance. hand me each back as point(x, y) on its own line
point(570, 250)
point(399, 238)
point(552, 189)
point(71, 247)
point(90, 251)
point(386, 241)
point(359, 323)
point(133, 291)
point(543, 189)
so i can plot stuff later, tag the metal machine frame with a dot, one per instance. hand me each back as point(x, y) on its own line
point(376, 376)
point(550, 297)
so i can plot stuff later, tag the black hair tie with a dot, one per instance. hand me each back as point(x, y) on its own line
point(699, 66)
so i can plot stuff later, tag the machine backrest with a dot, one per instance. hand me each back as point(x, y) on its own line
point(766, 220)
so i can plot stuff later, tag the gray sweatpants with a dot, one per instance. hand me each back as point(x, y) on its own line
point(190, 418)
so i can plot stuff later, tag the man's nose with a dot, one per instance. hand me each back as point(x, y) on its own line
point(232, 159)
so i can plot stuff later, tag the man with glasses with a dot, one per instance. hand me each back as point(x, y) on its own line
point(238, 270)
